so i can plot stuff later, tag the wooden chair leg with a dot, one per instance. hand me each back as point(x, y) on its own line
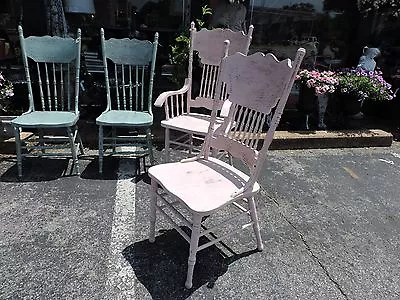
point(41, 140)
point(78, 136)
point(153, 211)
point(144, 164)
point(101, 150)
point(114, 141)
point(167, 145)
point(230, 159)
point(190, 144)
point(256, 225)
point(17, 133)
point(194, 245)
point(150, 145)
point(71, 135)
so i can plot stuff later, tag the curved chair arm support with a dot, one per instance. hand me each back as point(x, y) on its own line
point(28, 111)
point(164, 96)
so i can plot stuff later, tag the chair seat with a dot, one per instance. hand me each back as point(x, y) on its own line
point(203, 185)
point(191, 123)
point(46, 119)
point(125, 118)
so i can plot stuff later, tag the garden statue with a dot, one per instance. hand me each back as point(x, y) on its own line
point(367, 61)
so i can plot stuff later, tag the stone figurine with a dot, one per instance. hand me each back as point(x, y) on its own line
point(367, 61)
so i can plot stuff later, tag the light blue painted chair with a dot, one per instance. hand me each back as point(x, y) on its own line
point(129, 74)
point(52, 67)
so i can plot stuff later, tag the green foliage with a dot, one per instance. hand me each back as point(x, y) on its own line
point(181, 46)
point(205, 10)
point(364, 85)
point(391, 6)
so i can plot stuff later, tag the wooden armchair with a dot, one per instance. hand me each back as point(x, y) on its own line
point(180, 105)
point(258, 86)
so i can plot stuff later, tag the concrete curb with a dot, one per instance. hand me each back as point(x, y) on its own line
point(285, 140)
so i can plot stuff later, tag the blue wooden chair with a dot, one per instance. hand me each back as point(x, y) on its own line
point(129, 71)
point(52, 67)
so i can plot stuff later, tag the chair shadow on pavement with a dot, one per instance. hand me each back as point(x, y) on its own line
point(161, 266)
point(110, 169)
point(38, 169)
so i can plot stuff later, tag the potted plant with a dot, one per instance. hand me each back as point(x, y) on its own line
point(357, 85)
point(314, 86)
point(313, 83)
point(320, 82)
point(6, 106)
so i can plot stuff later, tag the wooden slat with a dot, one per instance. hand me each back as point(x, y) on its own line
point(40, 87)
point(123, 85)
point(48, 86)
point(55, 88)
point(62, 86)
point(202, 80)
point(116, 86)
point(68, 85)
point(130, 88)
point(142, 91)
point(136, 88)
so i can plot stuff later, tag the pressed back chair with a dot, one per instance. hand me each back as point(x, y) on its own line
point(52, 67)
point(129, 74)
point(180, 105)
point(257, 86)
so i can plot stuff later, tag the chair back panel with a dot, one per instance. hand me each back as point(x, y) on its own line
point(261, 79)
point(52, 67)
point(210, 43)
point(129, 70)
point(211, 46)
point(257, 86)
point(50, 49)
point(129, 51)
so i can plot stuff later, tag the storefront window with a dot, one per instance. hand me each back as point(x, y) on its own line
point(283, 26)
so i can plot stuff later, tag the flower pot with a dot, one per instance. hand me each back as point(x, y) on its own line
point(308, 101)
point(380, 109)
point(350, 104)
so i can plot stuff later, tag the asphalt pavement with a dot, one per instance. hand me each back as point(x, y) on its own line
point(330, 223)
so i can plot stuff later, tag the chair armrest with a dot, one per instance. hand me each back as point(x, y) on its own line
point(164, 96)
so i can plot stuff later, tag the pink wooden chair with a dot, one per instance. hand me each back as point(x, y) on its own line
point(178, 105)
point(258, 85)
